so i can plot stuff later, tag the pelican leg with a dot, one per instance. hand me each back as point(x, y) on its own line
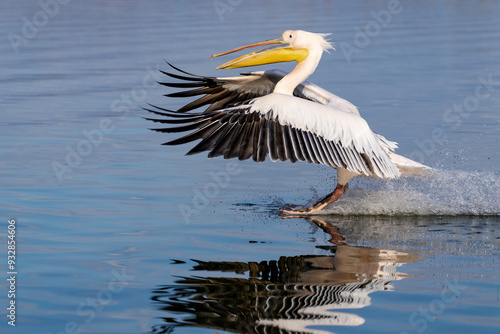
point(328, 199)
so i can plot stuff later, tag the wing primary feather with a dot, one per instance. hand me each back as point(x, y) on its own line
point(183, 84)
point(228, 115)
point(220, 145)
point(361, 163)
point(261, 146)
point(303, 147)
point(377, 167)
point(191, 74)
point(195, 125)
point(278, 141)
point(271, 144)
point(333, 153)
point(326, 153)
point(195, 92)
point(352, 158)
point(238, 116)
point(198, 134)
point(317, 145)
point(233, 148)
point(348, 161)
point(295, 144)
point(339, 155)
point(360, 168)
point(203, 101)
point(222, 103)
point(243, 97)
point(368, 162)
point(310, 148)
point(343, 156)
point(246, 146)
point(171, 113)
point(172, 121)
point(208, 142)
point(250, 138)
point(180, 77)
point(287, 144)
point(160, 108)
point(256, 134)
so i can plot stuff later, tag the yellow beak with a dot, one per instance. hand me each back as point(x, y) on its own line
point(280, 51)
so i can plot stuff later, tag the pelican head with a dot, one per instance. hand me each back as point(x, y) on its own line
point(292, 45)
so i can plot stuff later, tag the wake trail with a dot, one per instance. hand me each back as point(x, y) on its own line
point(440, 193)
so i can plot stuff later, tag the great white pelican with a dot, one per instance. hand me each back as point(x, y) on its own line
point(281, 115)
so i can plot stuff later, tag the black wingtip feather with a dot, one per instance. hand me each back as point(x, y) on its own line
point(171, 121)
point(182, 84)
point(191, 74)
point(182, 128)
point(173, 114)
point(180, 77)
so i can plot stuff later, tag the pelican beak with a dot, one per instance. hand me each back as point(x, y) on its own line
point(279, 51)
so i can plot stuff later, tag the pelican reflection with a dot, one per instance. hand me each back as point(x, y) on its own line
point(291, 294)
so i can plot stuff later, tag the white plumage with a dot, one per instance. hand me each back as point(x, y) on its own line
point(282, 115)
point(344, 129)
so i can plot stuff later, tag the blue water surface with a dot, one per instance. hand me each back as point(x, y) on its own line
point(119, 234)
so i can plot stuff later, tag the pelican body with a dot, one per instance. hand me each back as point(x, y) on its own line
point(271, 113)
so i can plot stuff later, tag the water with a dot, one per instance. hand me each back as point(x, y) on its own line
point(122, 239)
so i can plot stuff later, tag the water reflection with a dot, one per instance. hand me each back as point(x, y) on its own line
point(293, 294)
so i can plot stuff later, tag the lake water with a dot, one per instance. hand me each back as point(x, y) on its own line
point(118, 234)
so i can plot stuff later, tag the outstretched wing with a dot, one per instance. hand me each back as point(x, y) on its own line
point(219, 93)
point(281, 126)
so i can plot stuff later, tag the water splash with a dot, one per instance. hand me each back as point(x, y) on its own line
point(441, 193)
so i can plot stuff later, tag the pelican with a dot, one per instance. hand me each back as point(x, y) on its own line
point(280, 115)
